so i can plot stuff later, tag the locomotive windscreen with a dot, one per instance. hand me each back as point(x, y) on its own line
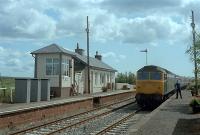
point(143, 76)
point(149, 76)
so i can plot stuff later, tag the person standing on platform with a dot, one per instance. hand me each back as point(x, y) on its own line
point(178, 89)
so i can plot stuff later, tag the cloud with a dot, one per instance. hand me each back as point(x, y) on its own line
point(26, 22)
point(150, 30)
point(122, 56)
point(113, 56)
point(127, 22)
point(15, 61)
point(139, 6)
point(109, 54)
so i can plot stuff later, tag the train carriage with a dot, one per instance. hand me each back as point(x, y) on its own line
point(154, 84)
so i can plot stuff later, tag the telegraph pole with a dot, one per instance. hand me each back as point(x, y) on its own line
point(195, 54)
point(146, 51)
point(88, 57)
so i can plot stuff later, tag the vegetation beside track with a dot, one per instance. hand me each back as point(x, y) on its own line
point(8, 83)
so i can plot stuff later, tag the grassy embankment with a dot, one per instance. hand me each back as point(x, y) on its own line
point(8, 83)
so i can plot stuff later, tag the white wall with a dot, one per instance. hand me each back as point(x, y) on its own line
point(41, 69)
point(108, 77)
point(54, 79)
point(66, 80)
point(79, 79)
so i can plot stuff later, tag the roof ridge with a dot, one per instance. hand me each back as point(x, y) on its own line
point(57, 46)
point(61, 48)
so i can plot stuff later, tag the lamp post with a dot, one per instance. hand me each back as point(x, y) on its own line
point(146, 54)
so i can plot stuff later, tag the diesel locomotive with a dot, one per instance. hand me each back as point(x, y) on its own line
point(155, 84)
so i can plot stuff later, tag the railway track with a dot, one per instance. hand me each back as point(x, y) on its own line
point(95, 125)
point(73, 121)
point(118, 127)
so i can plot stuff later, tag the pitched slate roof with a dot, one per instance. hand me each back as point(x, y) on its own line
point(95, 62)
point(54, 48)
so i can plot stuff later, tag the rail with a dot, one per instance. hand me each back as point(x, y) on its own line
point(117, 123)
point(74, 116)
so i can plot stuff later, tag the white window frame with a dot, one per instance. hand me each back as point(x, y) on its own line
point(65, 67)
point(54, 66)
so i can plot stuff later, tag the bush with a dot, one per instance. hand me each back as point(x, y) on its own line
point(104, 89)
point(5, 97)
point(195, 102)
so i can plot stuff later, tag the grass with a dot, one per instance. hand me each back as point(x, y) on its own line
point(8, 83)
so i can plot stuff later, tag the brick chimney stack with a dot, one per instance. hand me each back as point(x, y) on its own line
point(97, 56)
point(78, 50)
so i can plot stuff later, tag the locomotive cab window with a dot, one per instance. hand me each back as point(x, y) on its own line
point(143, 76)
point(155, 76)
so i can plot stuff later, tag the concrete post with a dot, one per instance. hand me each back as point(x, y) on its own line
point(28, 91)
point(39, 90)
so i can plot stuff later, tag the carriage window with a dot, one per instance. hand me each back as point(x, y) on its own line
point(143, 75)
point(165, 76)
point(155, 76)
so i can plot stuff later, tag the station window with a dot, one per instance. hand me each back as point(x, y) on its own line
point(52, 66)
point(96, 78)
point(65, 67)
point(102, 76)
point(108, 78)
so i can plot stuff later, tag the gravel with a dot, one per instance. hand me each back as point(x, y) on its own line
point(66, 122)
point(98, 124)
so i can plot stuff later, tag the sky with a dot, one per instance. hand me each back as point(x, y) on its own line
point(119, 30)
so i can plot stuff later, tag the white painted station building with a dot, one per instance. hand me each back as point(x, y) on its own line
point(64, 68)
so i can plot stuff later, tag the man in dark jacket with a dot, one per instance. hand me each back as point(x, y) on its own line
point(178, 89)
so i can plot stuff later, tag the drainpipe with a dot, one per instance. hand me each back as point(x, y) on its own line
point(35, 68)
point(60, 73)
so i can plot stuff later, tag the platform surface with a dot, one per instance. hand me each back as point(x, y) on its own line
point(17, 107)
point(174, 117)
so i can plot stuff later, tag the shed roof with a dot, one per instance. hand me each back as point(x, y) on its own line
point(54, 48)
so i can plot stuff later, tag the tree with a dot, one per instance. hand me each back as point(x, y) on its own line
point(190, 51)
point(125, 78)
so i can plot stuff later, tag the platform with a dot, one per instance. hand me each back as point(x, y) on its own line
point(173, 117)
point(14, 117)
point(18, 107)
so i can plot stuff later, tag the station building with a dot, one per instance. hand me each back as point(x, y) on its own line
point(64, 68)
